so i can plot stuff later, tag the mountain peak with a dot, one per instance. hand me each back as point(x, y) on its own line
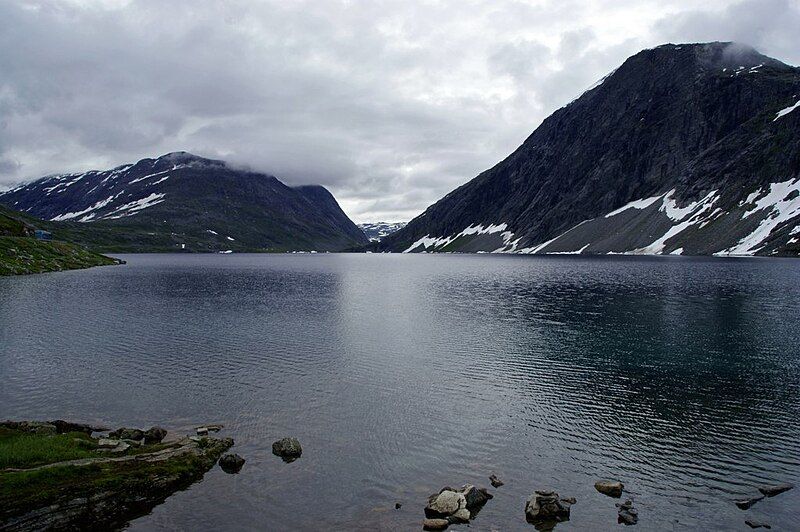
point(711, 55)
point(184, 157)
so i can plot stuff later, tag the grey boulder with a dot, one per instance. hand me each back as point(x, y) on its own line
point(546, 505)
point(287, 448)
point(612, 488)
point(231, 463)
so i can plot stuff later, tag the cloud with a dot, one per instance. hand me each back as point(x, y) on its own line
point(391, 104)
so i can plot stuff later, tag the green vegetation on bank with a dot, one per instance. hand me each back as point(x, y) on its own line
point(22, 450)
point(20, 253)
point(71, 480)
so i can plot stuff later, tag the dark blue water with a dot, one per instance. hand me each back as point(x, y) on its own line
point(403, 374)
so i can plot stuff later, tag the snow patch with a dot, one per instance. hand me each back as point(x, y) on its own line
point(784, 112)
point(637, 204)
point(428, 241)
point(693, 211)
point(70, 215)
point(781, 209)
point(133, 207)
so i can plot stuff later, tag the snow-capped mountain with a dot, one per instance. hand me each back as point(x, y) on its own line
point(377, 230)
point(187, 202)
point(684, 149)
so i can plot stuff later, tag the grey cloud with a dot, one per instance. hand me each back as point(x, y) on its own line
point(390, 104)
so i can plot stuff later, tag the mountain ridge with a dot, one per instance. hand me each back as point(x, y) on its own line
point(665, 119)
point(181, 201)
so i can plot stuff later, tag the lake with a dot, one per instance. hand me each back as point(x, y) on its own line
point(401, 374)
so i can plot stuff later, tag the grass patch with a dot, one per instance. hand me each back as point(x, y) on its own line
point(32, 489)
point(22, 255)
point(24, 450)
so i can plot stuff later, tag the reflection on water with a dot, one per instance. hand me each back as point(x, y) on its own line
point(403, 374)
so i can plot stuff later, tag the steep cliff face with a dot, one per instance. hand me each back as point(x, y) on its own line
point(181, 201)
point(689, 149)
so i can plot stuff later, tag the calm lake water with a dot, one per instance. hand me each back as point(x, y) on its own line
point(402, 374)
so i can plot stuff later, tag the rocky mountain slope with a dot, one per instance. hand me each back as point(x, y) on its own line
point(183, 202)
point(684, 149)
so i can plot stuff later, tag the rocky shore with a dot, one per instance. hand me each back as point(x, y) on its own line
point(63, 475)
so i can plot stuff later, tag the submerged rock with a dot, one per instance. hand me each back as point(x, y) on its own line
point(546, 505)
point(627, 514)
point(435, 524)
point(154, 435)
point(287, 448)
point(496, 482)
point(744, 504)
point(231, 463)
point(752, 523)
point(777, 489)
point(612, 488)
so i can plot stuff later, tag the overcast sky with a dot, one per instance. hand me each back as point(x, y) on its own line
point(390, 104)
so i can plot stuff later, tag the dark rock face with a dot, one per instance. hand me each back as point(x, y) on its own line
point(287, 448)
point(127, 434)
point(744, 504)
point(154, 435)
point(771, 491)
point(672, 124)
point(612, 488)
point(627, 514)
point(231, 463)
point(63, 427)
point(183, 202)
point(546, 505)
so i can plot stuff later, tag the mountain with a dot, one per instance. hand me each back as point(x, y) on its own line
point(684, 149)
point(182, 201)
point(375, 231)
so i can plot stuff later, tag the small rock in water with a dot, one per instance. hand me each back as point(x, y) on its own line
point(213, 427)
point(627, 514)
point(435, 524)
point(287, 448)
point(496, 482)
point(461, 515)
point(771, 491)
point(546, 505)
point(744, 504)
point(202, 431)
point(752, 523)
point(154, 435)
point(612, 488)
point(397, 506)
point(231, 463)
point(445, 503)
point(476, 497)
point(457, 506)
